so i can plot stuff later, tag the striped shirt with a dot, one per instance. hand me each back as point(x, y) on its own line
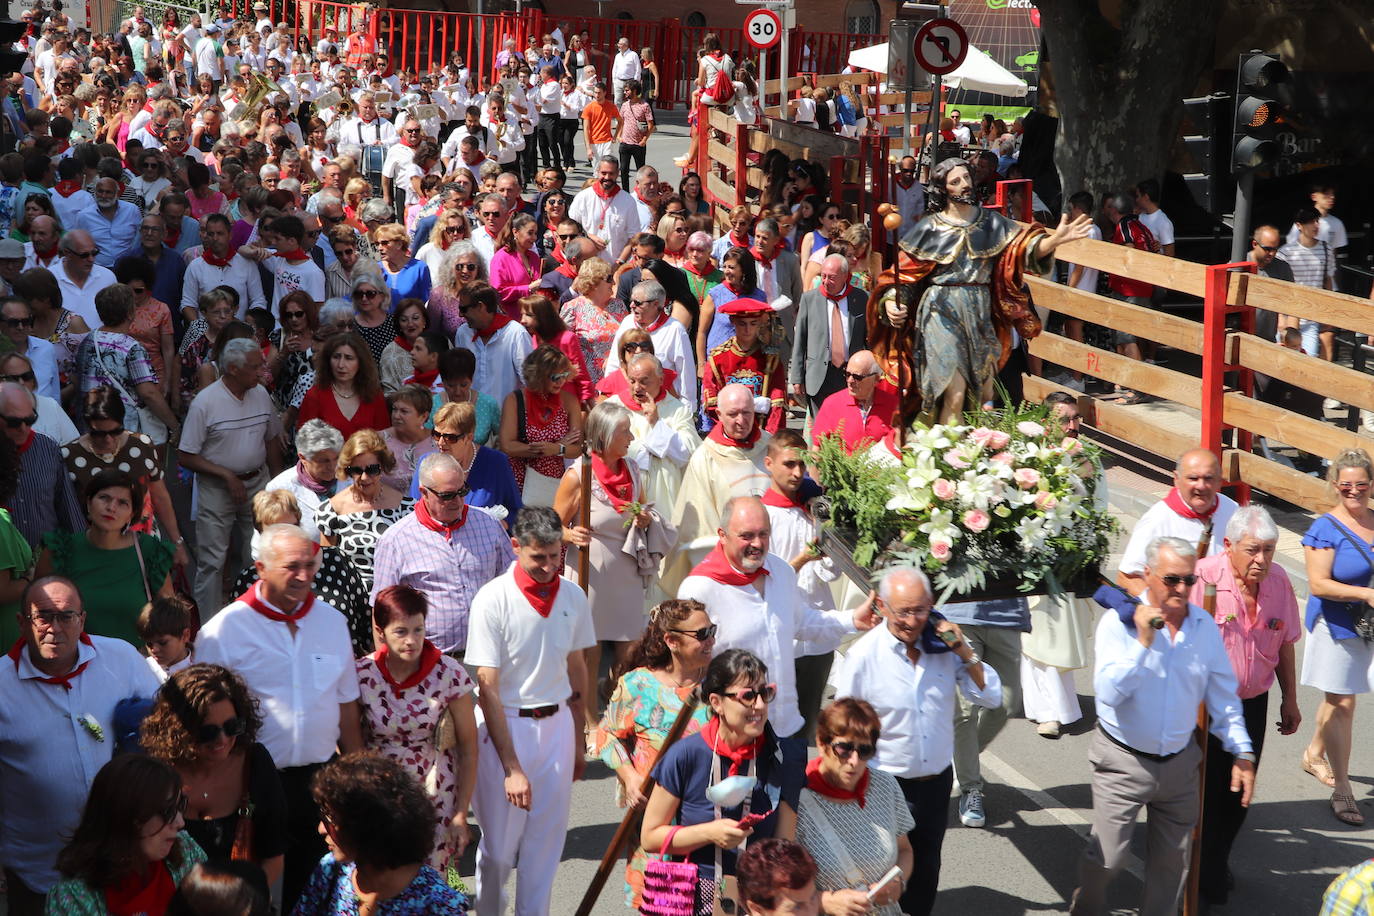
point(229, 431)
point(450, 571)
point(44, 499)
point(1311, 266)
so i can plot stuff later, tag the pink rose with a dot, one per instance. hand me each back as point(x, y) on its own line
point(1046, 501)
point(1027, 478)
point(1003, 458)
point(1071, 445)
point(955, 459)
point(943, 489)
point(977, 520)
point(982, 436)
point(940, 549)
point(1027, 428)
point(999, 439)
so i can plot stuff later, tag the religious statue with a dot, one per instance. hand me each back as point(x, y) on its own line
point(941, 320)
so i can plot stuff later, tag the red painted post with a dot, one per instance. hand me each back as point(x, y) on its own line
point(741, 165)
point(1003, 194)
point(703, 156)
point(1214, 365)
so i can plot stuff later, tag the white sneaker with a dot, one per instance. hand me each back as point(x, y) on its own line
point(971, 809)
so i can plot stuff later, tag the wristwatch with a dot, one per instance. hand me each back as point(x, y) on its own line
point(1246, 755)
point(973, 659)
point(562, 450)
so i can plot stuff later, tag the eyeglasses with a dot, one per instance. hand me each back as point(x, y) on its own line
point(560, 377)
point(701, 635)
point(55, 618)
point(110, 433)
point(84, 254)
point(752, 695)
point(209, 732)
point(858, 377)
point(371, 470)
point(16, 422)
point(1353, 487)
point(843, 749)
point(290, 315)
point(19, 377)
point(1269, 248)
point(446, 496)
point(465, 267)
point(908, 613)
point(1176, 581)
point(366, 294)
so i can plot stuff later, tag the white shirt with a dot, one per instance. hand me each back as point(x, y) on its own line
point(81, 299)
point(32, 260)
point(208, 57)
point(299, 681)
point(364, 133)
point(626, 65)
point(304, 275)
point(240, 274)
point(911, 203)
point(1330, 230)
point(397, 158)
point(486, 143)
point(767, 625)
point(43, 357)
point(53, 421)
point(1160, 226)
point(1159, 520)
point(915, 701)
point(793, 529)
point(614, 221)
point(530, 651)
point(550, 97)
point(572, 104)
point(485, 245)
point(307, 500)
point(69, 208)
point(673, 349)
point(48, 760)
point(1148, 698)
point(1088, 280)
point(499, 358)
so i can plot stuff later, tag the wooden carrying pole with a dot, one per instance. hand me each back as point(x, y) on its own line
point(632, 815)
point(584, 554)
point(1190, 893)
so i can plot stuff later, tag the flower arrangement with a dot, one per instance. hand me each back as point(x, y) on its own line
point(1002, 498)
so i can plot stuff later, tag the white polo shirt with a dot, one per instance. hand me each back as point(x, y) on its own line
point(499, 358)
point(530, 651)
point(1159, 520)
point(299, 681)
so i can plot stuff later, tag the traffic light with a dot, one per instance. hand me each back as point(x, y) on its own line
point(1262, 88)
point(11, 30)
point(1204, 122)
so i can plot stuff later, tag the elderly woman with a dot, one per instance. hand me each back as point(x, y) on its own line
point(852, 819)
point(541, 425)
point(110, 356)
point(345, 393)
point(680, 819)
point(490, 482)
point(411, 320)
point(619, 510)
point(373, 321)
point(312, 480)
point(355, 518)
point(373, 214)
point(1257, 613)
point(406, 277)
point(662, 670)
point(204, 723)
point(407, 437)
point(595, 314)
point(460, 266)
point(1337, 661)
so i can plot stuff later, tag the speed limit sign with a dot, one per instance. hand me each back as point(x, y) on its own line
point(762, 29)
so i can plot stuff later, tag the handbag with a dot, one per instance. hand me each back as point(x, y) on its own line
point(670, 888)
point(242, 850)
point(142, 569)
point(1360, 611)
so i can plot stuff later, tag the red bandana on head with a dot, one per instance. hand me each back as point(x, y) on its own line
point(433, 524)
point(17, 650)
point(718, 567)
point(540, 595)
point(1176, 502)
point(821, 786)
point(253, 600)
point(618, 484)
point(429, 657)
point(717, 434)
point(710, 733)
point(498, 321)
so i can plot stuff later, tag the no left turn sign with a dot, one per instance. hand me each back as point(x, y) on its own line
point(941, 46)
point(762, 29)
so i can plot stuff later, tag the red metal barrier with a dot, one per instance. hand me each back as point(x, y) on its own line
point(1215, 366)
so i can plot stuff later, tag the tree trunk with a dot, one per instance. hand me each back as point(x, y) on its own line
point(1119, 83)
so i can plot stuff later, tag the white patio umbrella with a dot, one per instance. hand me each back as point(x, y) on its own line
point(979, 72)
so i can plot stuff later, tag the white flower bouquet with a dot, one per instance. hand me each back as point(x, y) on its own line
point(1003, 504)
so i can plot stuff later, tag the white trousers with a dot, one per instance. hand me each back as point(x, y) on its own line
point(532, 840)
point(1048, 694)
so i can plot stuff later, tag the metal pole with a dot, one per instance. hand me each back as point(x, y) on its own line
point(1240, 222)
point(784, 64)
point(763, 84)
point(906, 123)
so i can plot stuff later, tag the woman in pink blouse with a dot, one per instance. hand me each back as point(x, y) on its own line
point(540, 317)
point(595, 315)
point(515, 267)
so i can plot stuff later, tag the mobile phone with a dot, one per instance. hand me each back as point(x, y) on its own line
point(892, 875)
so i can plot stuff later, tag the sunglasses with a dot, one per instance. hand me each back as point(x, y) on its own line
point(110, 433)
point(639, 346)
point(1176, 581)
point(485, 214)
point(569, 237)
point(1353, 487)
point(446, 438)
point(27, 376)
point(843, 749)
point(85, 254)
point(858, 377)
point(290, 315)
point(367, 294)
point(209, 733)
point(643, 302)
point(371, 470)
point(447, 496)
point(1269, 248)
point(16, 422)
point(465, 267)
point(701, 635)
point(751, 696)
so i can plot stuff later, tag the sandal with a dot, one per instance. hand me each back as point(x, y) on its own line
point(1319, 769)
point(1346, 811)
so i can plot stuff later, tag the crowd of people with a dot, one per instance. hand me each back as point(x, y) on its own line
point(363, 480)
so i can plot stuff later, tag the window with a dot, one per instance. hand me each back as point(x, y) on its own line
point(861, 17)
point(695, 21)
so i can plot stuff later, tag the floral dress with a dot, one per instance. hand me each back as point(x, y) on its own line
point(404, 726)
point(65, 343)
point(357, 533)
point(595, 329)
point(136, 456)
point(330, 893)
point(631, 733)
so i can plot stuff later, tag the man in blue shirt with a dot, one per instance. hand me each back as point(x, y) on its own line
point(113, 223)
point(168, 268)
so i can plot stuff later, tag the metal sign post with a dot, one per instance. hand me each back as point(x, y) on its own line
point(786, 16)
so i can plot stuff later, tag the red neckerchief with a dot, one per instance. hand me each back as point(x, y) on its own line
point(604, 194)
point(710, 733)
point(65, 680)
point(541, 405)
point(619, 485)
point(498, 321)
point(689, 266)
point(540, 595)
point(215, 260)
point(717, 54)
point(156, 132)
point(634, 405)
point(28, 443)
point(67, 188)
point(404, 141)
point(566, 270)
point(294, 256)
point(660, 322)
point(251, 599)
point(1175, 501)
point(423, 379)
point(429, 657)
point(842, 297)
point(764, 261)
point(739, 293)
point(947, 135)
point(821, 786)
point(433, 524)
point(136, 894)
point(738, 241)
point(47, 255)
point(717, 434)
point(646, 203)
point(775, 497)
point(403, 343)
point(173, 236)
point(719, 569)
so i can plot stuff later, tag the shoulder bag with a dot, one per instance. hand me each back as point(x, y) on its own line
point(1360, 611)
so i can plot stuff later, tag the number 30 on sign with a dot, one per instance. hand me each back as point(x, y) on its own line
point(762, 28)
